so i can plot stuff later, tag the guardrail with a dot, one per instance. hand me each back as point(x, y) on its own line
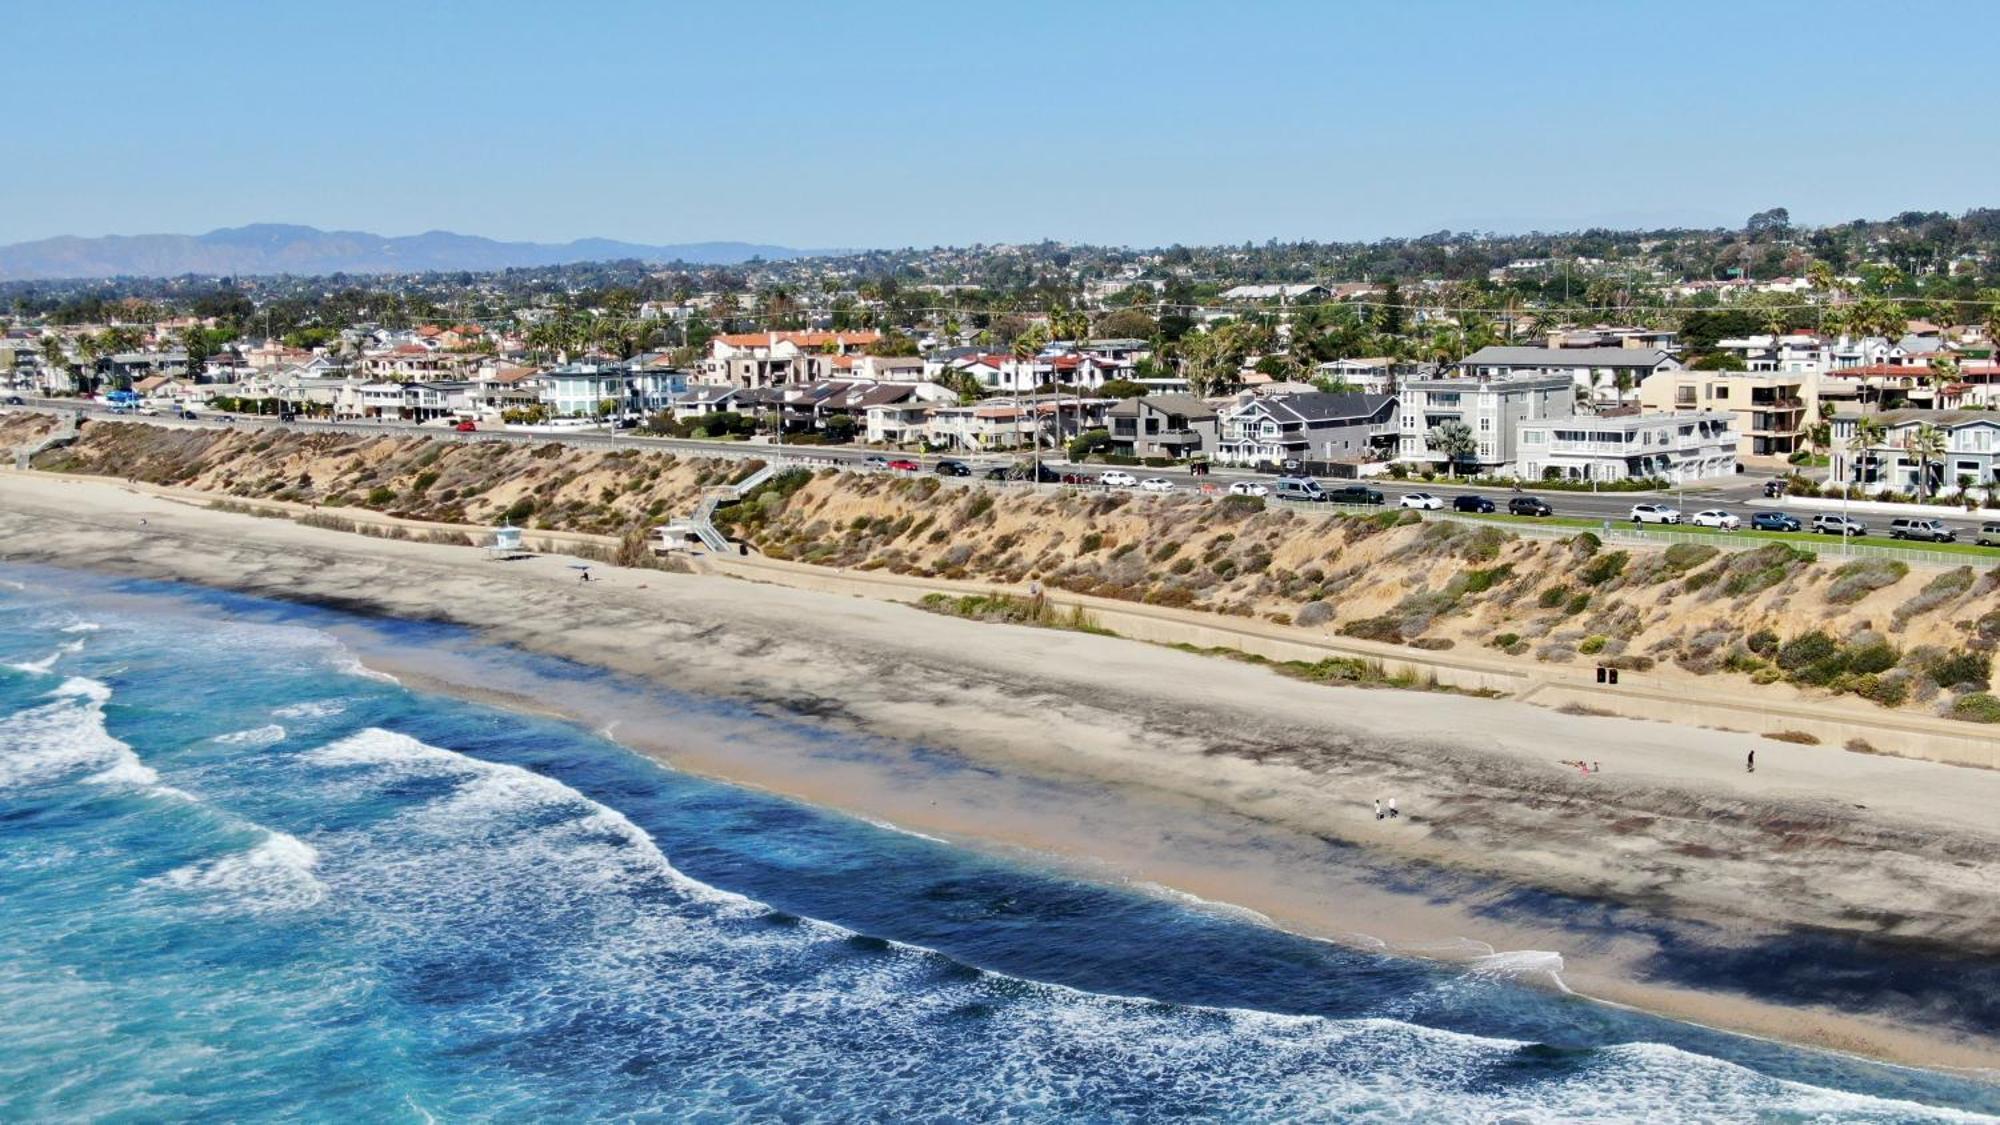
point(1611, 531)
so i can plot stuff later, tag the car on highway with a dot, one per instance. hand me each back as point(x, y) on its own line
point(1716, 517)
point(875, 461)
point(1117, 478)
point(1989, 535)
point(467, 427)
point(1156, 484)
point(905, 465)
point(1843, 526)
point(1926, 528)
point(952, 468)
point(1298, 488)
point(1353, 494)
point(1655, 513)
point(1774, 521)
point(16, 400)
point(1249, 488)
point(1529, 506)
point(1423, 501)
point(1471, 503)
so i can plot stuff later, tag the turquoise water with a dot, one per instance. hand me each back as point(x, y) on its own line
point(241, 877)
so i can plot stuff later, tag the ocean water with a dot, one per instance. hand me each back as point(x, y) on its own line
point(242, 877)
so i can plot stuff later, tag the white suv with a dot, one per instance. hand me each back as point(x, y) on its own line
point(1423, 500)
point(1655, 513)
point(1117, 479)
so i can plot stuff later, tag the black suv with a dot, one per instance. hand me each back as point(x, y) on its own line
point(1471, 503)
point(950, 468)
point(1353, 494)
point(1529, 506)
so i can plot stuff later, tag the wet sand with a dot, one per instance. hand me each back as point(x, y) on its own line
point(1215, 779)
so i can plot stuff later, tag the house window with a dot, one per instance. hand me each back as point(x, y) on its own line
point(1722, 392)
point(1531, 437)
point(1486, 425)
point(1684, 396)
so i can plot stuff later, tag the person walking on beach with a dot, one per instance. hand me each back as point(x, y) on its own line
point(1750, 763)
point(1393, 813)
point(1378, 808)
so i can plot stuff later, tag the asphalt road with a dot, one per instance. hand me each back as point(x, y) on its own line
point(1741, 495)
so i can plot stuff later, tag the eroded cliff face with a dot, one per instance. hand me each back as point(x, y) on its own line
point(1913, 639)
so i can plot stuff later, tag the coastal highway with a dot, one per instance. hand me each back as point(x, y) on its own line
point(1741, 495)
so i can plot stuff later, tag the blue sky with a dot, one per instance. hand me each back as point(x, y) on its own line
point(893, 124)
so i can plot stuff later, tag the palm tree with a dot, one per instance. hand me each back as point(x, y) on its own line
point(1926, 445)
point(1455, 440)
point(1943, 372)
point(1869, 432)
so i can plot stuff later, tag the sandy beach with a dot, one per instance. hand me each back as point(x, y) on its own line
point(1209, 777)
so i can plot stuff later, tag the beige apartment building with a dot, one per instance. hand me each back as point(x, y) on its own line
point(1774, 410)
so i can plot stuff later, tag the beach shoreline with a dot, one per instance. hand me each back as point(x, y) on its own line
point(1477, 778)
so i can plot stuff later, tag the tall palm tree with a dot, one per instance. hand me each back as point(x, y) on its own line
point(1869, 432)
point(1943, 372)
point(1926, 445)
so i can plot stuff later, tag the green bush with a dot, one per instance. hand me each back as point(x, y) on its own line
point(1857, 579)
point(380, 495)
point(1976, 707)
point(1872, 658)
point(1960, 668)
point(1683, 557)
point(1586, 544)
point(1805, 650)
point(1505, 640)
point(1089, 543)
point(1604, 568)
point(1243, 504)
point(1577, 604)
point(1592, 645)
point(1763, 642)
point(1553, 596)
point(1478, 581)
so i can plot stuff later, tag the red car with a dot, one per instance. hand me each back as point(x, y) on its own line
point(466, 427)
point(904, 464)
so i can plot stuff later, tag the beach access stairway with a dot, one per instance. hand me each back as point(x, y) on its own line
point(64, 435)
point(702, 523)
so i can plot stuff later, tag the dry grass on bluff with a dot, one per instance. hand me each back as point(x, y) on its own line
point(1772, 615)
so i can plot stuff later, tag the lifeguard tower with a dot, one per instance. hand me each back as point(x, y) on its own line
point(506, 543)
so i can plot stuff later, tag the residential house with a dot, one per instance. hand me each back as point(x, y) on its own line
point(1289, 294)
point(1176, 426)
point(1972, 450)
point(1681, 448)
point(1774, 412)
point(1311, 428)
point(579, 390)
point(995, 424)
point(1490, 406)
point(771, 359)
point(1603, 375)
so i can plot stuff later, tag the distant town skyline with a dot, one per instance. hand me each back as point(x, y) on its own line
point(897, 125)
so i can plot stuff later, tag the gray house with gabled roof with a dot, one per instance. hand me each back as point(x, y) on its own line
point(1312, 429)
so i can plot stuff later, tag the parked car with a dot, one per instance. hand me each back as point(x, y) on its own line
point(1298, 488)
point(1655, 513)
point(1156, 484)
point(875, 461)
point(1774, 521)
point(1471, 503)
point(951, 468)
point(16, 400)
point(1354, 494)
point(1529, 506)
point(1117, 478)
point(1926, 528)
point(467, 427)
point(1838, 525)
point(1716, 517)
point(1258, 488)
point(905, 465)
point(1424, 501)
point(1989, 535)
point(999, 472)
point(187, 415)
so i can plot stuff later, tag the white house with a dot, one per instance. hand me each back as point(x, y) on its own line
point(1488, 406)
point(1607, 375)
point(1675, 447)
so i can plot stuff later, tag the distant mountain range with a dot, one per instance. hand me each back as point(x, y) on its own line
point(277, 248)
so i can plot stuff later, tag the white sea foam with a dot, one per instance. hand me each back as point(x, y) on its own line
point(274, 874)
point(255, 736)
point(349, 664)
point(66, 737)
point(46, 665)
point(487, 794)
point(310, 709)
point(82, 627)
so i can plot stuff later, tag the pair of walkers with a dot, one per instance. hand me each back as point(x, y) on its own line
point(1389, 813)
